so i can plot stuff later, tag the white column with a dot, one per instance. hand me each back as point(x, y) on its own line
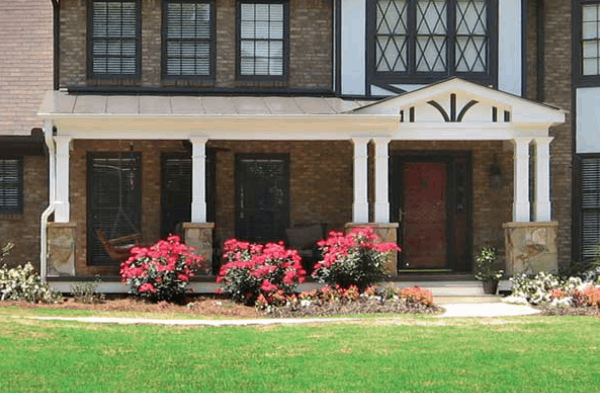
point(360, 208)
point(542, 206)
point(62, 212)
point(382, 205)
point(198, 180)
point(521, 180)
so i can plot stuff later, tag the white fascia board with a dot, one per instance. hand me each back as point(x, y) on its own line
point(324, 127)
point(453, 132)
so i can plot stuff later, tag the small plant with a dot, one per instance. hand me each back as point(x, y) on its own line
point(357, 258)
point(22, 283)
point(485, 263)
point(255, 270)
point(161, 272)
point(87, 292)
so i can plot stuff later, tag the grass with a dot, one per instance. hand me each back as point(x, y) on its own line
point(404, 354)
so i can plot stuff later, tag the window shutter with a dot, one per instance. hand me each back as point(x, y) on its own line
point(590, 205)
point(11, 185)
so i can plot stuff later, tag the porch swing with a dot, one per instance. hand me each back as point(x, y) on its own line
point(118, 248)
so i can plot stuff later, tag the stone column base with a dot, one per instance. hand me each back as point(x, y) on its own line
point(387, 233)
point(61, 249)
point(200, 237)
point(531, 247)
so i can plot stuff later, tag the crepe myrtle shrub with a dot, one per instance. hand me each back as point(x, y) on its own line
point(161, 272)
point(252, 270)
point(357, 258)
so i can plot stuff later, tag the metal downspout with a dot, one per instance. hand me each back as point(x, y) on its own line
point(48, 131)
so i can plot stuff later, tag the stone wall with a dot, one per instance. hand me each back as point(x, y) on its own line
point(310, 47)
point(24, 229)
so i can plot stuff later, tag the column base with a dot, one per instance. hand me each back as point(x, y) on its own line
point(531, 247)
point(200, 237)
point(388, 232)
point(61, 249)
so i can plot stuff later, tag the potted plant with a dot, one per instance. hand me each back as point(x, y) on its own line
point(487, 272)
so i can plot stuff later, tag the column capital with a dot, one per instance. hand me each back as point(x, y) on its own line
point(543, 140)
point(198, 139)
point(522, 140)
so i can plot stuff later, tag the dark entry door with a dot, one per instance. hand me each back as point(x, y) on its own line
point(430, 198)
point(262, 197)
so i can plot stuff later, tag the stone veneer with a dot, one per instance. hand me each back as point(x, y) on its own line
point(200, 237)
point(61, 249)
point(531, 247)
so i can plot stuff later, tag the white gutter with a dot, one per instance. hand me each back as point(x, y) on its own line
point(48, 130)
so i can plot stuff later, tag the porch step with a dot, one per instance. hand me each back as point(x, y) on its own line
point(440, 289)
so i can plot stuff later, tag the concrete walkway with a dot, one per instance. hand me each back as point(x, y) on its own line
point(453, 310)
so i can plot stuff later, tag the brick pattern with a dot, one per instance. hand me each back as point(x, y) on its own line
point(310, 57)
point(26, 64)
point(320, 190)
point(23, 230)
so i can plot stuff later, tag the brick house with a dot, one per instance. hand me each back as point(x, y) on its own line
point(279, 119)
point(25, 74)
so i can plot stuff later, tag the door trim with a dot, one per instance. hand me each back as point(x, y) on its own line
point(397, 158)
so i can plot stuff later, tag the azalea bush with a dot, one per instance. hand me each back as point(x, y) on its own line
point(252, 270)
point(161, 272)
point(357, 258)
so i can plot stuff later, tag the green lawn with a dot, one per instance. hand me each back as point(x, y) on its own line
point(425, 354)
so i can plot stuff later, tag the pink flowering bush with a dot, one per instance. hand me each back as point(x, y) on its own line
point(253, 270)
point(357, 258)
point(161, 272)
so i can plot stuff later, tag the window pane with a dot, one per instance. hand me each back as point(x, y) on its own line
point(431, 17)
point(261, 39)
point(471, 54)
point(590, 30)
point(471, 17)
point(590, 49)
point(431, 54)
point(590, 66)
point(589, 12)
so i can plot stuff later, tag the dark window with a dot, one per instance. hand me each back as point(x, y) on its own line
point(587, 33)
point(188, 31)
point(262, 197)
point(430, 39)
point(262, 40)
point(589, 214)
point(114, 34)
point(114, 200)
point(177, 190)
point(11, 185)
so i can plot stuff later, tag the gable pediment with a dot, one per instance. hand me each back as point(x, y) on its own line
point(458, 101)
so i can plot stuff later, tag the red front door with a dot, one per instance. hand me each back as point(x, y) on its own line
point(424, 215)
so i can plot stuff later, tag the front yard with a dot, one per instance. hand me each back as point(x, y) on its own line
point(383, 354)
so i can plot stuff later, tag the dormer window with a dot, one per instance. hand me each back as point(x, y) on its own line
point(426, 40)
point(114, 39)
point(189, 44)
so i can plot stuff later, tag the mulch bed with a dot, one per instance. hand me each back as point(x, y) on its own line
point(575, 311)
point(201, 306)
point(352, 308)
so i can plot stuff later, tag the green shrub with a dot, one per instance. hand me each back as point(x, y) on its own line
point(86, 292)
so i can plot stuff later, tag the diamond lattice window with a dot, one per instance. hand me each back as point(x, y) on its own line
point(417, 37)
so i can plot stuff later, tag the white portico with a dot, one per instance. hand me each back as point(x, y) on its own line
point(453, 110)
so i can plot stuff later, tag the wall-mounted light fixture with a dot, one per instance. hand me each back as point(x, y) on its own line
point(496, 178)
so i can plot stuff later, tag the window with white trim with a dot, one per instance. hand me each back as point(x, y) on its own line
point(114, 38)
point(433, 38)
point(188, 32)
point(11, 185)
point(262, 40)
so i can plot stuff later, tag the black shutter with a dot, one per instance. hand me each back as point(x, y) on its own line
point(114, 200)
point(11, 185)
point(589, 188)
